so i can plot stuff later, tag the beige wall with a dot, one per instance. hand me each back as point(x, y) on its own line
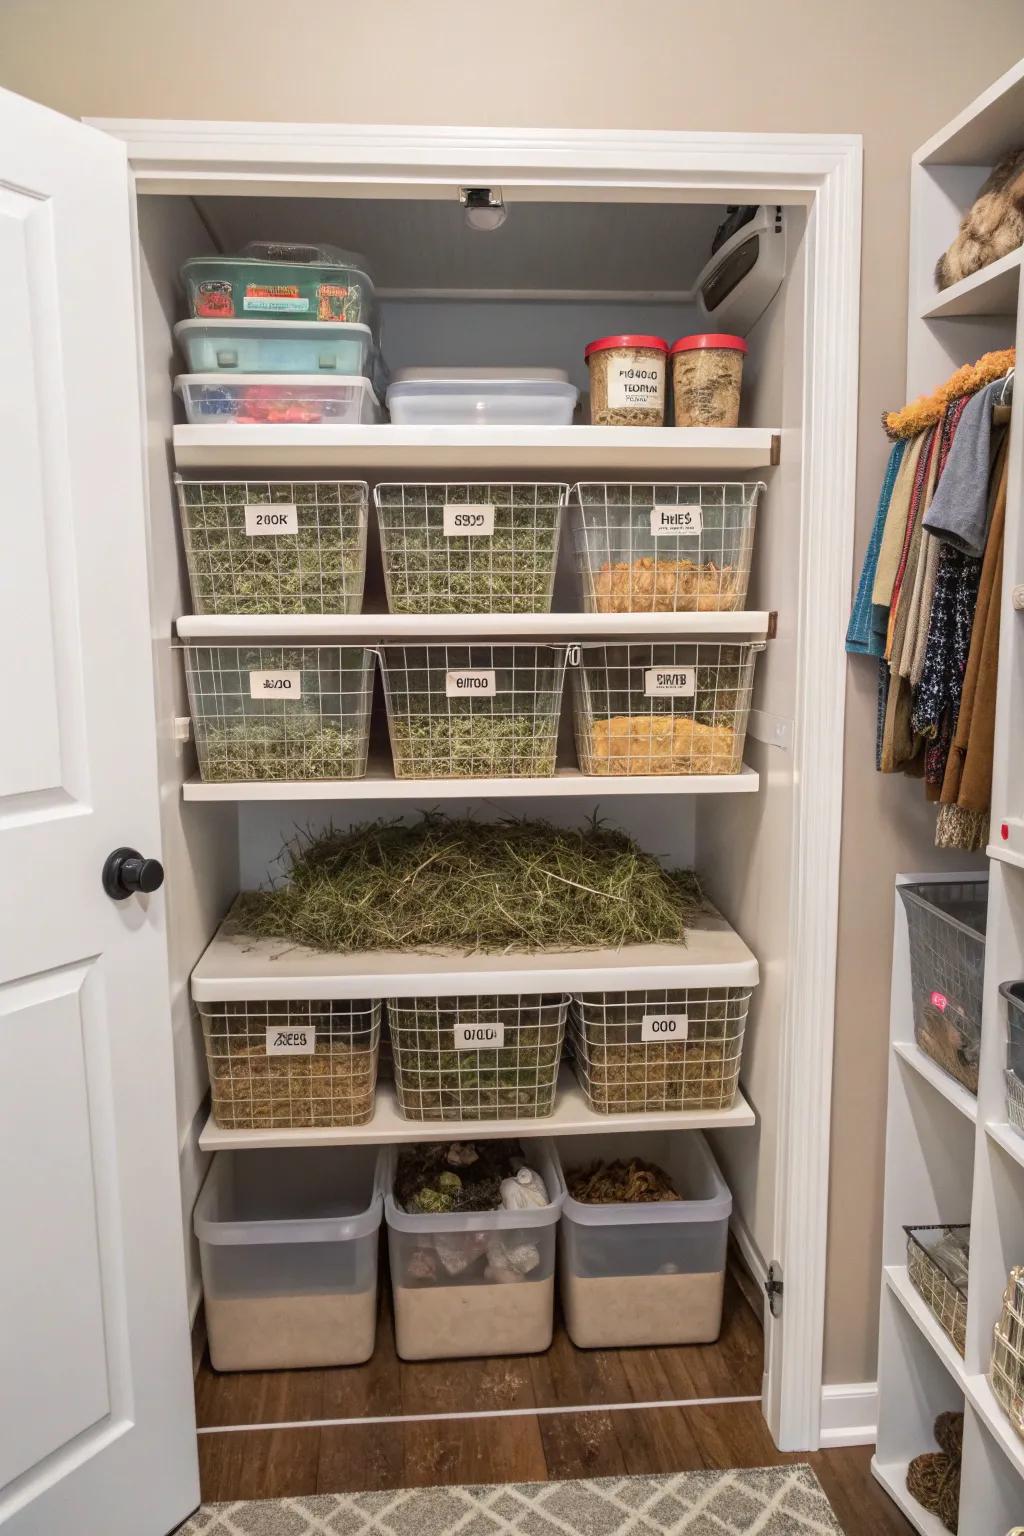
point(893, 73)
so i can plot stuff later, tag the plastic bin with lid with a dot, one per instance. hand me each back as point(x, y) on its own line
point(650, 1272)
point(482, 397)
point(474, 1283)
point(268, 346)
point(288, 1245)
point(286, 399)
point(281, 281)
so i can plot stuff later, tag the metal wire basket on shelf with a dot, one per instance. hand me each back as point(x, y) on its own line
point(670, 707)
point(288, 1064)
point(473, 711)
point(663, 1050)
point(1007, 1369)
point(1012, 993)
point(280, 712)
point(469, 547)
point(937, 1258)
point(645, 548)
point(477, 1058)
point(946, 923)
point(274, 546)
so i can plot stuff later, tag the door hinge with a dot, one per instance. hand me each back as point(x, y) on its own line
point(773, 1288)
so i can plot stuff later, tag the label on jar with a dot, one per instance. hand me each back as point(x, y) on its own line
point(637, 384)
point(470, 682)
point(291, 1039)
point(676, 520)
point(468, 521)
point(663, 1026)
point(275, 685)
point(479, 1037)
point(670, 682)
point(261, 520)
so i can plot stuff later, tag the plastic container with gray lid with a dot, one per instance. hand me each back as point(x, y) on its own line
point(481, 397)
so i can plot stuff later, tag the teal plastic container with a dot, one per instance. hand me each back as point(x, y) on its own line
point(267, 346)
point(268, 281)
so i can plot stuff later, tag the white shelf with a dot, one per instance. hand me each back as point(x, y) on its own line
point(992, 291)
point(989, 1409)
point(235, 968)
point(1005, 855)
point(985, 130)
point(898, 1281)
point(941, 1081)
point(572, 1117)
point(893, 1478)
point(644, 451)
point(1011, 1141)
point(310, 627)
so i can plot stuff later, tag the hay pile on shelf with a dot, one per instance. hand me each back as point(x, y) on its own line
point(446, 883)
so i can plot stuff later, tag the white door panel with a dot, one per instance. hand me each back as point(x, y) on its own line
point(97, 1434)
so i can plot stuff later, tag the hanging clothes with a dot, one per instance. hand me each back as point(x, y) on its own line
point(960, 510)
point(900, 743)
point(862, 639)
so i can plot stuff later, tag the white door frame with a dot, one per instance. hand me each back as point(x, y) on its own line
point(824, 172)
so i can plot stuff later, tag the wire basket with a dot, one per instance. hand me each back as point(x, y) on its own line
point(477, 1058)
point(280, 712)
point(1012, 993)
point(937, 1260)
point(946, 922)
point(669, 1050)
point(469, 548)
point(473, 711)
point(279, 1064)
point(644, 548)
point(277, 546)
point(676, 707)
point(1007, 1370)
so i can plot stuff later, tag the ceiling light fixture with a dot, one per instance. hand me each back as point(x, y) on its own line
point(485, 207)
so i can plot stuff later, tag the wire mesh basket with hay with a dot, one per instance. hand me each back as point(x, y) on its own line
point(670, 707)
point(937, 1263)
point(644, 548)
point(473, 711)
point(1006, 1372)
point(637, 1052)
point(477, 1058)
point(946, 923)
point(274, 546)
point(1012, 993)
point(289, 1064)
point(469, 548)
point(280, 713)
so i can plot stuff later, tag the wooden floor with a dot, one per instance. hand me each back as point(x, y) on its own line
point(597, 1439)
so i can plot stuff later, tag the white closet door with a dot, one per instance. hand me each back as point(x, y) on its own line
point(97, 1436)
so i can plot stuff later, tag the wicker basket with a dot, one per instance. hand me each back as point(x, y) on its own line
point(946, 922)
point(937, 1266)
point(1007, 1370)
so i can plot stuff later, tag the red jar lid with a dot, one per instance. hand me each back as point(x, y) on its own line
point(713, 340)
point(653, 343)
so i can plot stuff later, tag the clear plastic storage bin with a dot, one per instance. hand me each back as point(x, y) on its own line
point(469, 548)
point(638, 1052)
point(1012, 993)
point(268, 346)
point(670, 707)
point(477, 1058)
point(288, 1245)
point(946, 922)
point(644, 548)
point(280, 713)
point(280, 281)
point(281, 399)
point(648, 1273)
point(277, 1065)
point(449, 1302)
point(274, 546)
point(473, 711)
point(482, 397)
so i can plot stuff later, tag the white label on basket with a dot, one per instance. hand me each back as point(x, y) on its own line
point(291, 1040)
point(676, 520)
point(670, 682)
point(663, 1026)
point(471, 682)
point(641, 385)
point(260, 520)
point(468, 521)
point(479, 1037)
point(275, 685)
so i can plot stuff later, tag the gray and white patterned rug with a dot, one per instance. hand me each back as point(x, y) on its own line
point(768, 1501)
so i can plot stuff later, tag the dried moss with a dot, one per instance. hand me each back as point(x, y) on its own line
point(439, 1177)
point(468, 746)
point(633, 1183)
point(281, 747)
point(621, 1073)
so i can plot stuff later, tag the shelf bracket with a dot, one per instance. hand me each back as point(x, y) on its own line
point(772, 730)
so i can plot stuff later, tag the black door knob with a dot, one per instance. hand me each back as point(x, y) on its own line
point(126, 872)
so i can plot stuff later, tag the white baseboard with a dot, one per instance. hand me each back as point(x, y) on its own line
point(849, 1414)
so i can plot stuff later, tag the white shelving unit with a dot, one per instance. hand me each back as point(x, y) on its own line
point(950, 1157)
point(750, 624)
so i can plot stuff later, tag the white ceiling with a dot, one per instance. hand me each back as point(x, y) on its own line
point(644, 249)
